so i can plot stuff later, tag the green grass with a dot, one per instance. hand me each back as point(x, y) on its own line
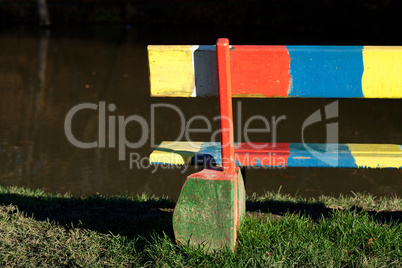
point(39, 229)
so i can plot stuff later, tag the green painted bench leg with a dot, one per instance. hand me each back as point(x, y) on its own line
point(210, 208)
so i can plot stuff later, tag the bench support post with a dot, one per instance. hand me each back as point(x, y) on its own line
point(212, 204)
point(225, 104)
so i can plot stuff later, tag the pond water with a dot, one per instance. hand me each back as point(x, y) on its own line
point(45, 74)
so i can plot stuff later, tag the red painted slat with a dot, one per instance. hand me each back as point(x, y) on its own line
point(264, 154)
point(260, 70)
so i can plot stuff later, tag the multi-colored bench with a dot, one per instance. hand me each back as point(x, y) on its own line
point(212, 203)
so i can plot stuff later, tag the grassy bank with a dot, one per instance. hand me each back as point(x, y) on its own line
point(61, 230)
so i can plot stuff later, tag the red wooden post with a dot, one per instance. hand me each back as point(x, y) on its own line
point(212, 204)
point(225, 103)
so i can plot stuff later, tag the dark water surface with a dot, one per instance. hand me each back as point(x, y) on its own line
point(45, 74)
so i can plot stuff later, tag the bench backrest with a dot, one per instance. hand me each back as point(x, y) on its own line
point(272, 71)
point(279, 71)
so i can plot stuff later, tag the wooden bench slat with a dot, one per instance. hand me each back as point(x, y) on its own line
point(279, 71)
point(283, 154)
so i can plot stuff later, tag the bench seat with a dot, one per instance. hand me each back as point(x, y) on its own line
point(282, 154)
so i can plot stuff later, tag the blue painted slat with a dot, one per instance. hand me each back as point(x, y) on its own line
point(325, 71)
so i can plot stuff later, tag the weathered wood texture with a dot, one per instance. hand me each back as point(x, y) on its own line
point(279, 71)
point(283, 154)
point(210, 208)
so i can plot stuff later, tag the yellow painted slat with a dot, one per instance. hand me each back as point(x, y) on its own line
point(376, 155)
point(171, 71)
point(382, 76)
point(175, 153)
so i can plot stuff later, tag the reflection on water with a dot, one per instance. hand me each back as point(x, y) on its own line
point(43, 75)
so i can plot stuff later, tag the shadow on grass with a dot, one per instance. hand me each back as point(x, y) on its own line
point(117, 215)
point(275, 209)
point(132, 217)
